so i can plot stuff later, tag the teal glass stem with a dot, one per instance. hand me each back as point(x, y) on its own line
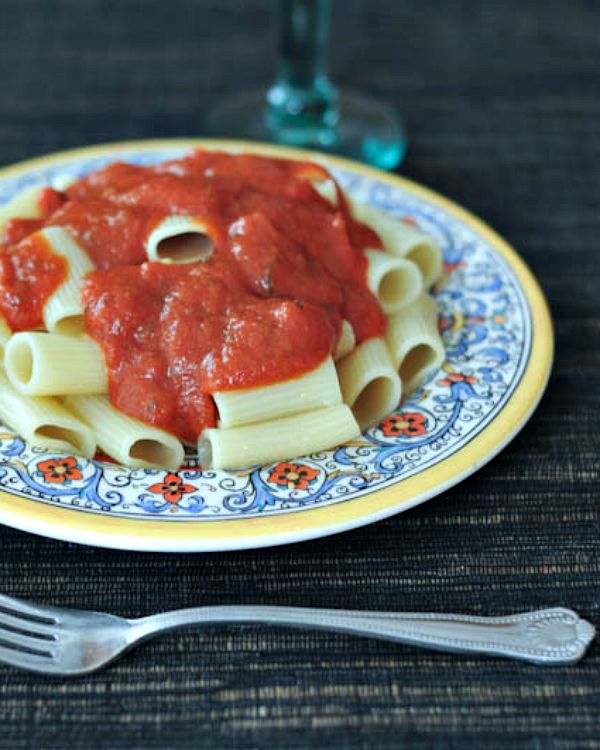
point(303, 108)
point(302, 103)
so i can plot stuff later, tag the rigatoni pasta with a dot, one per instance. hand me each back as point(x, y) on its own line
point(326, 189)
point(414, 342)
point(346, 341)
point(179, 239)
point(128, 440)
point(63, 311)
point(370, 382)
point(395, 282)
point(49, 364)
point(403, 241)
point(5, 334)
point(308, 432)
point(23, 206)
point(317, 389)
point(44, 422)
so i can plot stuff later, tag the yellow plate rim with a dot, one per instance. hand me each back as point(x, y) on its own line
point(68, 524)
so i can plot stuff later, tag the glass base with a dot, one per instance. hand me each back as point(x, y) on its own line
point(361, 128)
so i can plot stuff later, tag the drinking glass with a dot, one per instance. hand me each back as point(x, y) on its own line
point(303, 108)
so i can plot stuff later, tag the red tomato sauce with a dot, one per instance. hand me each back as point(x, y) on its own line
point(29, 273)
point(286, 268)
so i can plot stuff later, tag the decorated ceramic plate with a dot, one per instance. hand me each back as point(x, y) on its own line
point(498, 338)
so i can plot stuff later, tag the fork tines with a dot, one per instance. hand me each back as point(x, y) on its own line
point(27, 634)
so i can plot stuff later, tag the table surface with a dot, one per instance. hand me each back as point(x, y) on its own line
point(501, 101)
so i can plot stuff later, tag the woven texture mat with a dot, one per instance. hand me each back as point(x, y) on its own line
point(501, 100)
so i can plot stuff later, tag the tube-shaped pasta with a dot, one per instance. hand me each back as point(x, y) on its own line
point(179, 239)
point(326, 189)
point(263, 442)
point(44, 422)
point(22, 206)
point(63, 311)
point(396, 282)
point(125, 439)
point(314, 390)
point(48, 364)
point(369, 381)
point(415, 345)
point(5, 334)
point(63, 182)
point(403, 241)
point(346, 341)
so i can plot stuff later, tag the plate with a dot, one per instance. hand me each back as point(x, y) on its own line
point(498, 337)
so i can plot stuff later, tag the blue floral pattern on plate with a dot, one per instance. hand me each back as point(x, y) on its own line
point(486, 326)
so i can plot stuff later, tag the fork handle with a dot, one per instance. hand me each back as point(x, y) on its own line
point(547, 636)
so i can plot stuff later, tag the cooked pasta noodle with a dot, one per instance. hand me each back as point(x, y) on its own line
point(309, 432)
point(126, 439)
point(396, 282)
point(63, 311)
point(326, 189)
point(63, 182)
point(346, 341)
point(5, 334)
point(44, 421)
point(369, 381)
point(314, 390)
point(403, 241)
point(22, 206)
point(48, 364)
point(179, 239)
point(414, 342)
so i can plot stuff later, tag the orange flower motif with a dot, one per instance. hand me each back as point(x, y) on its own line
point(409, 423)
point(457, 377)
point(293, 476)
point(449, 267)
point(59, 470)
point(172, 488)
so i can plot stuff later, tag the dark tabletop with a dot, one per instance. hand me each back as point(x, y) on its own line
point(502, 100)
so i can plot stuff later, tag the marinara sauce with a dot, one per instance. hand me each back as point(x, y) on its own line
point(29, 270)
point(267, 305)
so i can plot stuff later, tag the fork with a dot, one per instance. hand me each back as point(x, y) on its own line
point(61, 641)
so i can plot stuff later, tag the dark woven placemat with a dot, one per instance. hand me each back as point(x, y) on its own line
point(501, 100)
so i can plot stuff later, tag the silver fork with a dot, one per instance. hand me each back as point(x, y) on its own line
point(73, 642)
